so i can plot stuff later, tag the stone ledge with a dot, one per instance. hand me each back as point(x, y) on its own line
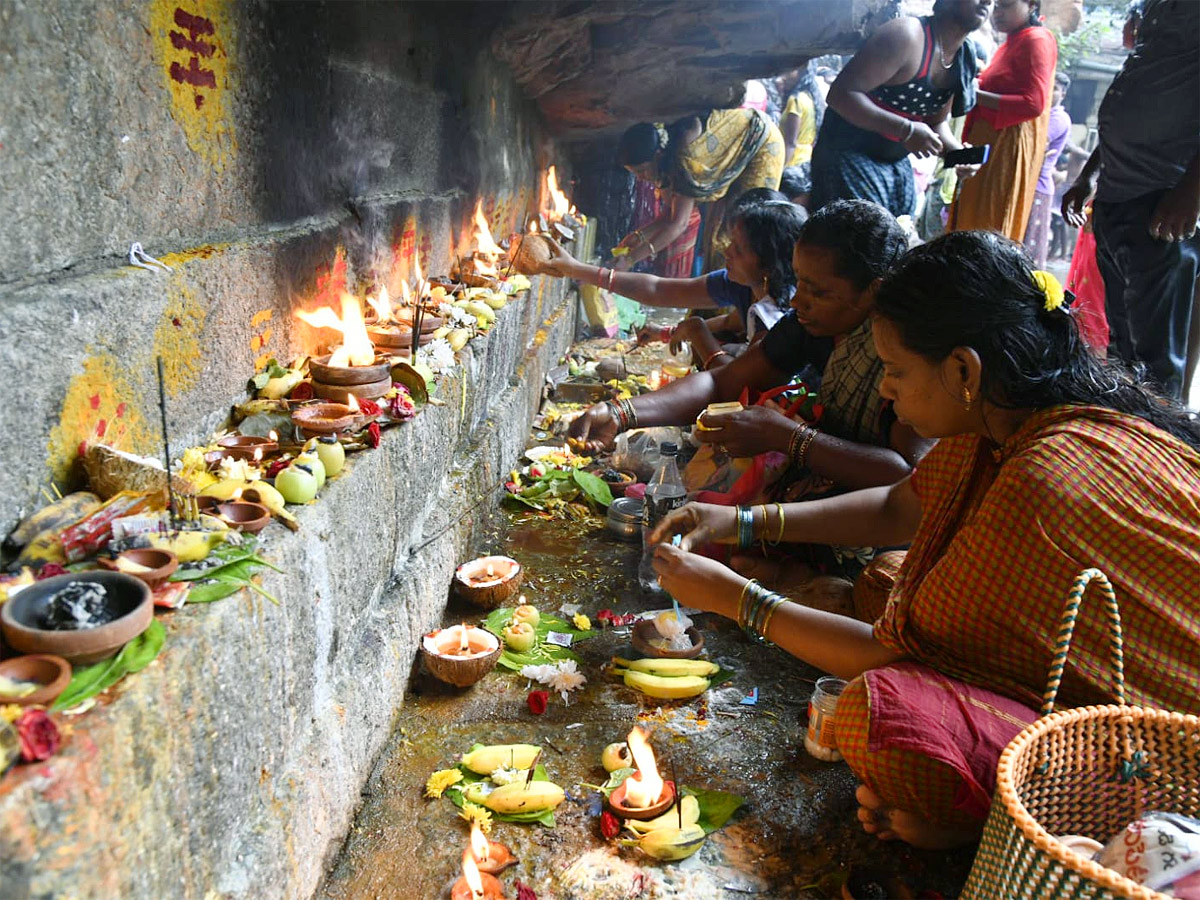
point(232, 766)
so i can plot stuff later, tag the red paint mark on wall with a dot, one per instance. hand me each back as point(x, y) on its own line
point(193, 73)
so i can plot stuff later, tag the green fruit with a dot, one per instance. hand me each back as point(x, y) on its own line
point(296, 484)
point(332, 455)
point(527, 613)
point(312, 461)
point(520, 637)
point(616, 756)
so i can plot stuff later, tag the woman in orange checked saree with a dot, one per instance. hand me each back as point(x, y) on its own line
point(1049, 462)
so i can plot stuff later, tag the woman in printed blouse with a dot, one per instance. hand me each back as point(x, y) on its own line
point(1049, 462)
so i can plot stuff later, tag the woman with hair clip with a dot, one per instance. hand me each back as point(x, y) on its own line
point(1048, 462)
point(1013, 116)
point(713, 157)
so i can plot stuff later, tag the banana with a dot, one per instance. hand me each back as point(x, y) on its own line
point(671, 844)
point(440, 332)
point(46, 547)
point(669, 688)
point(188, 546)
point(481, 310)
point(54, 517)
point(669, 819)
point(517, 797)
point(495, 301)
point(487, 760)
point(458, 338)
point(669, 668)
point(278, 388)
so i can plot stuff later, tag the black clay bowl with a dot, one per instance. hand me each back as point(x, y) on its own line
point(128, 598)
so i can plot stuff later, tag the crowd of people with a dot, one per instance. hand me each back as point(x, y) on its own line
point(978, 443)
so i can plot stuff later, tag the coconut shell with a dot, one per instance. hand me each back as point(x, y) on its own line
point(491, 594)
point(460, 672)
point(532, 252)
point(111, 471)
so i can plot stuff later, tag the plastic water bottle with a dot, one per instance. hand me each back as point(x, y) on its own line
point(664, 493)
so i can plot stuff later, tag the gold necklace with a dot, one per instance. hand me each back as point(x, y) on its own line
point(942, 51)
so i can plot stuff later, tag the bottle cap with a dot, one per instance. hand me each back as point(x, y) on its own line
point(669, 447)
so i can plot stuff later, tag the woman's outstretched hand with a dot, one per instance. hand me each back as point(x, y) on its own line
point(560, 263)
point(697, 581)
point(699, 524)
point(594, 431)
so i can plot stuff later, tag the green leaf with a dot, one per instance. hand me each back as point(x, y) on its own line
point(615, 779)
point(259, 381)
point(542, 652)
point(716, 807)
point(144, 648)
point(212, 591)
point(721, 677)
point(597, 491)
point(88, 681)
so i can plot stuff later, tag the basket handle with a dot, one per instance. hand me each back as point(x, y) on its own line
point(1066, 631)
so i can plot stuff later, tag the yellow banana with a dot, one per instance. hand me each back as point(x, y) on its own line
point(517, 797)
point(671, 844)
point(665, 688)
point(458, 338)
point(46, 547)
point(53, 517)
point(487, 760)
point(669, 668)
point(188, 546)
point(495, 301)
point(670, 819)
point(278, 388)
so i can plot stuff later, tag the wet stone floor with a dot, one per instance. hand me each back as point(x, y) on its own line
point(795, 837)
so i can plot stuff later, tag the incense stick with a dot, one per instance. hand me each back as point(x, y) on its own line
point(678, 796)
point(162, 409)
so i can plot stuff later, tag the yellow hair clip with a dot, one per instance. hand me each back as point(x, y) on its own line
point(1051, 288)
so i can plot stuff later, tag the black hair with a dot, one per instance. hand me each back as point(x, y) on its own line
point(975, 289)
point(757, 195)
point(1063, 80)
point(865, 238)
point(794, 181)
point(1035, 12)
point(638, 144)
point(772, 228)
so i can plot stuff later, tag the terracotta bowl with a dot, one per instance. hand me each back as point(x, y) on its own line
point(160, 563)
point(341, 393)
point(472, 584)
point(129, 598)
point(616, 800)
point(52, 673)
point(321, 371)
point(461, 671)
point(644, 632)
point(241, 446)
point(400, 337)
point(618, 485)
point(244, 516)
point(324, 418)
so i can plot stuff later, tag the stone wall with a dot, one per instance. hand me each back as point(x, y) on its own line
point(268, 153)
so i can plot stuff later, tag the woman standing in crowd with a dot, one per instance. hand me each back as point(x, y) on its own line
point(1012, 115)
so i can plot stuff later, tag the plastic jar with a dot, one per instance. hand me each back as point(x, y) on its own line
point(820, 740)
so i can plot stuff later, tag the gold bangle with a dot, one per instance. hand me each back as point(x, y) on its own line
point(741, 619)
point(779, 540)
point(762, 632)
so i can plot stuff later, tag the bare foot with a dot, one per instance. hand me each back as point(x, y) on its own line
point(901, 825)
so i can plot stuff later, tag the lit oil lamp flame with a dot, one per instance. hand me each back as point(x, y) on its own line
point(471, 874)
point(483, 235)
point(352, 402)
point(479, 844)
point(274, 436)
point(491, 570)
point(382, 305)
point(356, 348)
point(406, 293)
point(559, 204)
point(422, 286)
point(258, 454)
point(533, 226)
point(464, 643)
point(645, 786)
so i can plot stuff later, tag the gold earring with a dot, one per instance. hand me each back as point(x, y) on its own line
point(967, 398)
point(765, 286)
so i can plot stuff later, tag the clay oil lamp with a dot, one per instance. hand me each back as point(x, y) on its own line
point(317, 419)
point(644, 794)
point(244, 516)
point(479, 267)
point(37, 680)
point(461, 654)
point(244, 446)
point(491, 857)
point(351, 368)
point(148, 565)
point(474, 884)
point(488, 581)
point(391, 328)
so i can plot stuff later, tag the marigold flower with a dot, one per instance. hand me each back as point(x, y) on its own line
point(439, 781)
point(476, 815)
point(582, 622)
point(1051, 288)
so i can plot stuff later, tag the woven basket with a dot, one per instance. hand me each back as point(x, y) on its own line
point(1088, 771)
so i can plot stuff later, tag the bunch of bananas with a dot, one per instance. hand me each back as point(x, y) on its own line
point(36, 538)
point(517, 796)
point(666, 679)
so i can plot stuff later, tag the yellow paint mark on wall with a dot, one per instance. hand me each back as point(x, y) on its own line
point(261, 337)
point(178, 336)
point(263, 315)
point(202, 252)
point(192, 40)
point(98, 406)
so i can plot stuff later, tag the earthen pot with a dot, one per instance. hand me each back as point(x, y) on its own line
point(323, 418)
point(460, 671)
point(472, 583)
point(127, 596)
point(644, 632)
point(492, 888)
point(321, 371)
point(531, 253)
point(399, 337)
point(52, 673)
point(342, 393)
point(616, 800)
point(617, 485)
point(244, 516)
point(242, 446)
point(159, 565)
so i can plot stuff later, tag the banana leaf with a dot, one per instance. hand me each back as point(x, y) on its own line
point(716, 807)
point(236, 570)
point(88, 681)
point(541, 653)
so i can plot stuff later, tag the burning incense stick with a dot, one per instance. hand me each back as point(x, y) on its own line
point(162, 409)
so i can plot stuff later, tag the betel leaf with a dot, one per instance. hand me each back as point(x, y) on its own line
point(595, 489)
point(88, 681)
point(723, 674)
point(211, 591)
point(716, 807)
point(541, 653)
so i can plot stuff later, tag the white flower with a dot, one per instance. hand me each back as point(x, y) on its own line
point(239, 470)
point(505, 775)
point(562, 677)
point(438, 355)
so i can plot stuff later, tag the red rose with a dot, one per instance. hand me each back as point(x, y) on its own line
point(368, 407)
point(39, 735)
point(49, 570)
point(302, 391)
point(373, 433)
point(537, 701)
point(276, 467)
point(610, 825)
point(524, 891)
